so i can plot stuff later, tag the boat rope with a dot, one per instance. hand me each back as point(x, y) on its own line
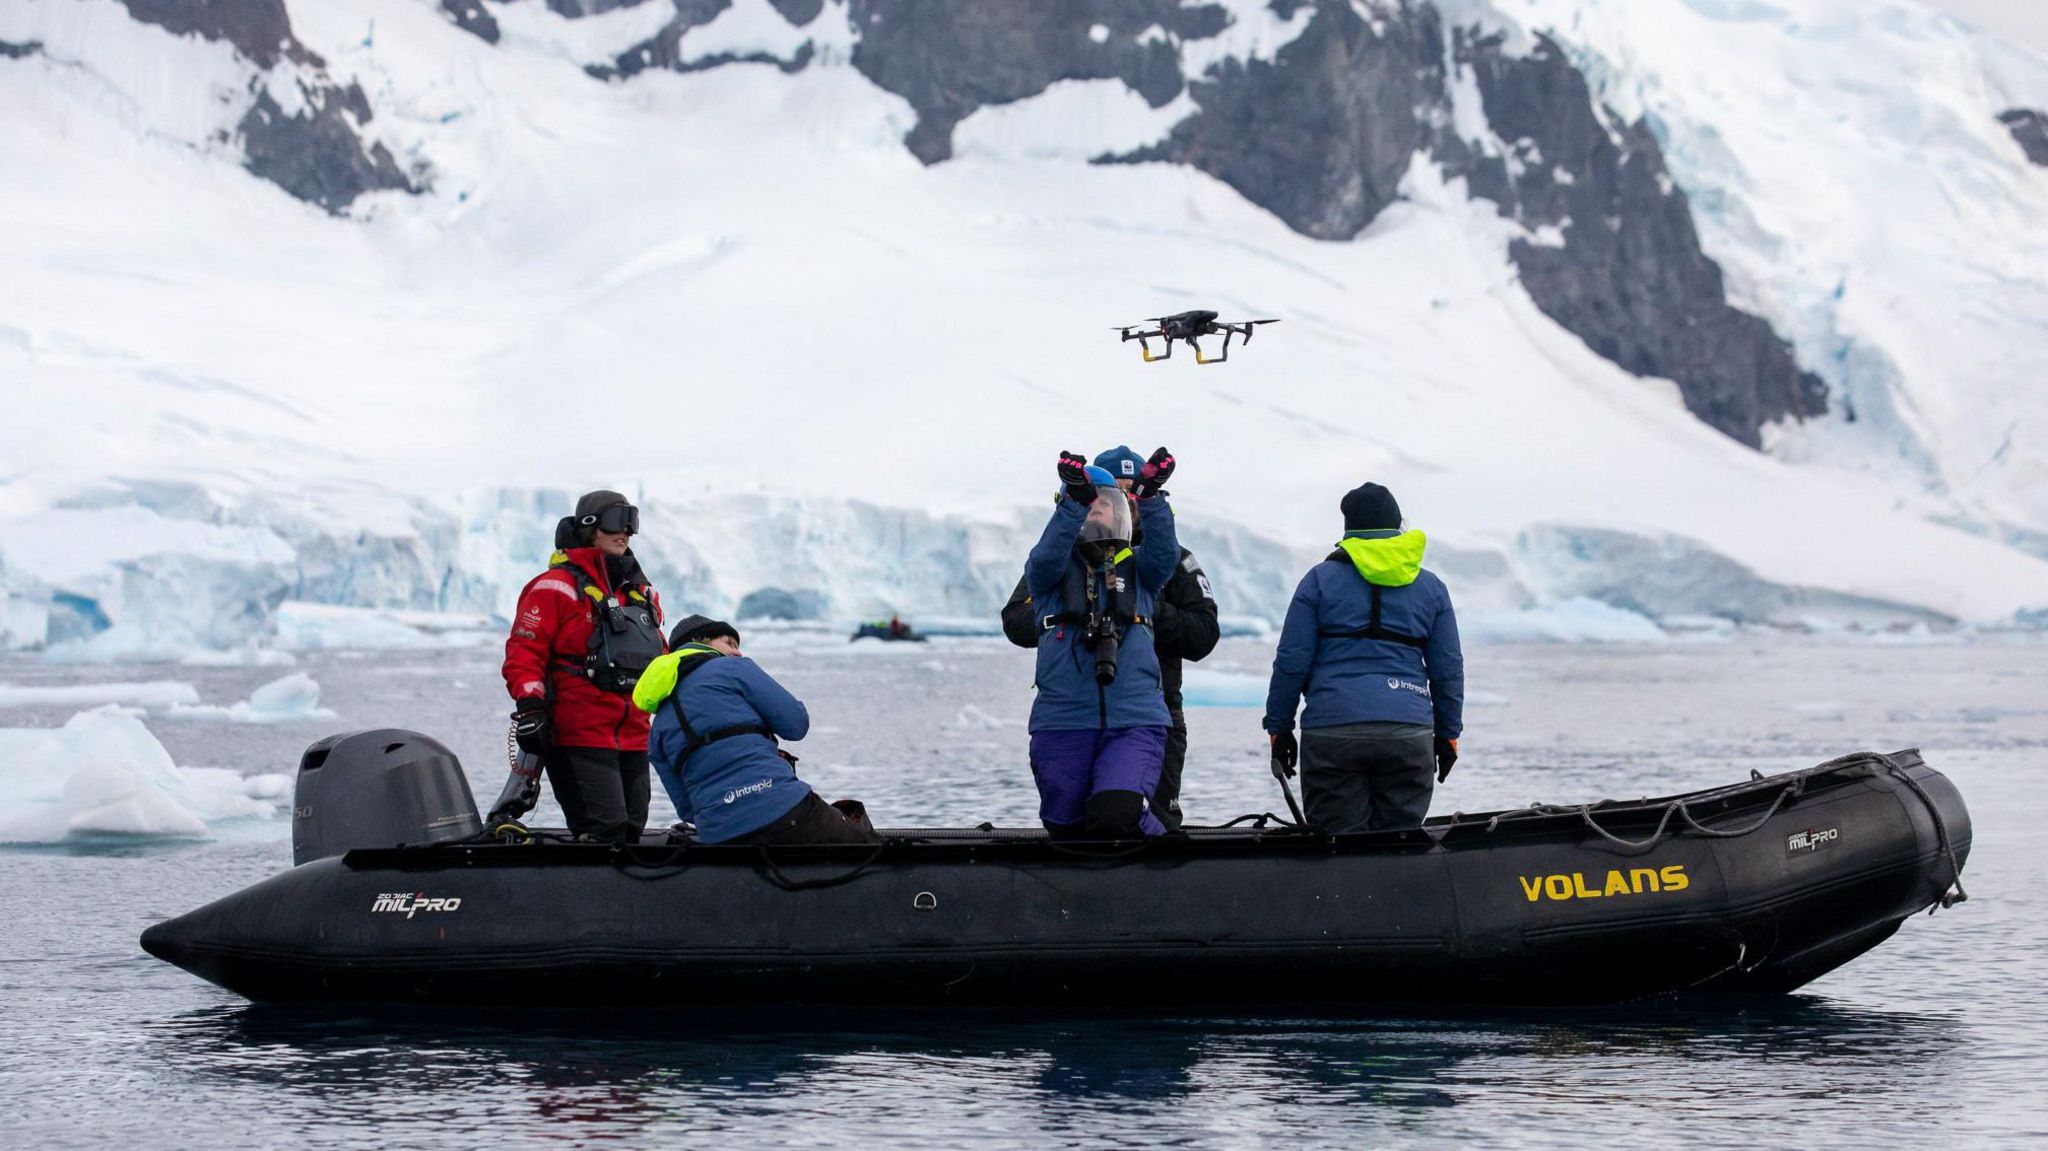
point(774, 875)
point(1677, 807)
point(1684, 812)
point(1261, 821)
point(1947, 898)
point(1793, 787)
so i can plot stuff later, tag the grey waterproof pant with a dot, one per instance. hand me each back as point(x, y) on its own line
point(1367, 776)
point(603, 792)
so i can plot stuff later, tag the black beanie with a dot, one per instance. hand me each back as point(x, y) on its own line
point(1370, 507)
point(595, 502)
point(698, 629)
point(572, 532)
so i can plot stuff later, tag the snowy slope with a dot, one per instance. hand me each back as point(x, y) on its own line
point(1851, 176)
point(822, 365)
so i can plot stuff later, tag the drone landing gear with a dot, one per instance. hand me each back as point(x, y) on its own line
point(1145, 346)
point(1224, 358)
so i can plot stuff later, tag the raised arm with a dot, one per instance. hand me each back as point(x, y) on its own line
point(1160, 553)
point(1048, 560)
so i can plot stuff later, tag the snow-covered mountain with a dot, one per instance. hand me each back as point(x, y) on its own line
point(1705, 308)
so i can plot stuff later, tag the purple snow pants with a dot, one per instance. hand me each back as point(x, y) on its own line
point(1070, 766)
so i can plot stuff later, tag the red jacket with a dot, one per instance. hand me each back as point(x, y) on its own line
point(544, 655)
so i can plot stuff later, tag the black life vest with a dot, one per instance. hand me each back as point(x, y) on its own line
point(1074, 589)
point(625, 636)
point(694, 739)
point(1373, 629)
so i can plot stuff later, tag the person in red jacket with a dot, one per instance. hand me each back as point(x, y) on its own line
point(583, 632)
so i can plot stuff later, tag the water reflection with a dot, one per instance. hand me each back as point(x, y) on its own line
point(595, 1073)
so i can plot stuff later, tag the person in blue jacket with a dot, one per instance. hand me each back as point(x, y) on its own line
point(1371, 639)
point(1099, 724)
point(717, 717)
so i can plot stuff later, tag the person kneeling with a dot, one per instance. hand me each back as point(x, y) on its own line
point(717, 716)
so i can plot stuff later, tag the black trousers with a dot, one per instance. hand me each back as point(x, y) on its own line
point(603, 792)
point(1166, 797)
point(1367, 776)
point(812, 820)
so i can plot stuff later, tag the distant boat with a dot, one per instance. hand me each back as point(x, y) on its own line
point(893, 630)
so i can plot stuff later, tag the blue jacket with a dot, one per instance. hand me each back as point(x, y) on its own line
point(1356, 679)
point(1069, 699)
point(727, 787)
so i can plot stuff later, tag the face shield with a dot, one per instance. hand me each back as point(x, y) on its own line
point(1107, 530)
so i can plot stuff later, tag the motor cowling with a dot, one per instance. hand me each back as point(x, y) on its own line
point(378, 789)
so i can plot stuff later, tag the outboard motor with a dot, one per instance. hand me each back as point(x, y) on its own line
point(378, 789)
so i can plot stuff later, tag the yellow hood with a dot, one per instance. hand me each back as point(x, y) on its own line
point(1391, 562)
point(659, 679)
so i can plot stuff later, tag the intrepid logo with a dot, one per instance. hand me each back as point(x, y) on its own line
point(1405, 685)
point(1811, 840)
point(750, 789)
point(1634, 881)
point(410, 904)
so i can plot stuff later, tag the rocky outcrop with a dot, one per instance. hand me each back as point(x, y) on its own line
point(664, 50)
point(949, 59)
point(472, 17)
point(258, 29)
point(575, 9)
point(19, 51)
point(1617, 260)
point(1322, 134)
point(2029, 126)
point(316, 153)
point(798, 12)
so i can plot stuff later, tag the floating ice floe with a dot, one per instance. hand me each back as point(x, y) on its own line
point(156, 693)
point(104, 774)
point(287, 700)
point(1203, 687)
point(1576, 620)
point(326, 627)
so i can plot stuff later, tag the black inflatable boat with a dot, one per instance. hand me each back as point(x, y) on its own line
point(1754, 888)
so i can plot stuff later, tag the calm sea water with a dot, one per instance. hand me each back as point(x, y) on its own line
point(1940, 1033)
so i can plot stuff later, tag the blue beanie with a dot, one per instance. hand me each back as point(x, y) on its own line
point(1121, 462)
point(1100, 477)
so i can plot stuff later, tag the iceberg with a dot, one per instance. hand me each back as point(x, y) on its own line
point(104, 775)
point(289, 699)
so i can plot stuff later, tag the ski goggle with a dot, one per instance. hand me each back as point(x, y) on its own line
point(618, 519)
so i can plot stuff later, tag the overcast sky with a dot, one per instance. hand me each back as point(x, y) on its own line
point(2023, 20)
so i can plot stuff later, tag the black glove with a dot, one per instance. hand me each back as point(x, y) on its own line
point(1446, 755)
point(1074, 478)
point(531, 726)
point(1286, 753)
point(1154, 475)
